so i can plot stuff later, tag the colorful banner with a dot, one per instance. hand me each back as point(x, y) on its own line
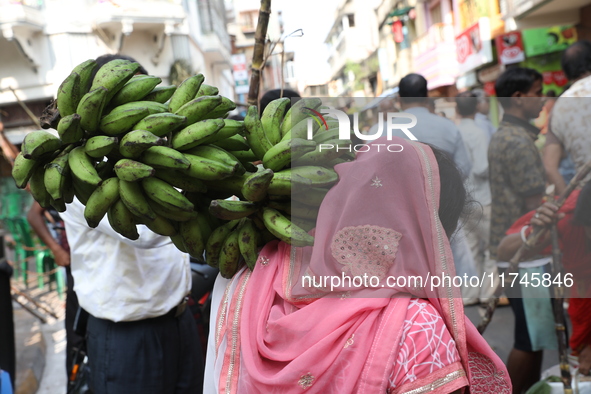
point(473, 46)
point(548, 39)
point(510, 48)
point(240, 73)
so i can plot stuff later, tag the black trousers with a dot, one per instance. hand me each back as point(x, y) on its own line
point(73, 340)
point(152, 356)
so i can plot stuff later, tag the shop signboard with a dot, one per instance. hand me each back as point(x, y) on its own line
point(473, 46)
point(240, 73)
point(548, 39)
point(510, 48)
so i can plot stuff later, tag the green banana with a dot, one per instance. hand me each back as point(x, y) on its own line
point(231, 210)
point(204, 226)
point(285, 182)
point(248, 241)
point(38, 143)
point(312, 196)
point(135, 142)
point(231, 185)
point(91, 108)
point(162, 226)
point(181, 181)
point(160, 94)
point(165, 157)
point(207, 90)
point(215, 242)
point(105, 169)
point(326, 135)
point(120, 122)
point(193, 239)
point(185, 92)
point(300, 129)
point(235, 142)
point(122, 220)
point(319, 176)
point(69, 194)
point(133, 171)
point(165, 194)
point(133, 197)
point(86, 71)
point(208, 170)
point(152, 107)
point(220, 111)
point(37, 187)
point(113, 76)
point(303, 211)
point(161, 124)
point(298, 113)
point(171, 213)
point(229, 258)
point(244, 156)
point(68, 95)
point(255, 135)
point(69, 129)
point(82, 190)
point(195, 133)
point(101, 200)
point(272, 117)
point(56, 176)
point(213, 152)
point(199, 108)
point(324, 153)
point(178, 242)
point(100, 146)
point(58, 205)
point(256, 185)
point(82, 167)
point(284, 229)
point(282, 154)
point(231, 128)
point(135, 89)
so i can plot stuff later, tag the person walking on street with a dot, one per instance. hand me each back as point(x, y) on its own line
point(571, 116)
point(517, 184)
point(477, 224)
point(482, 114)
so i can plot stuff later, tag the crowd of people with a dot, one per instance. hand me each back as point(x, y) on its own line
point(471, 193)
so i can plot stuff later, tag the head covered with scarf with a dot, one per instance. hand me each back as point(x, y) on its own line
point(282, 328)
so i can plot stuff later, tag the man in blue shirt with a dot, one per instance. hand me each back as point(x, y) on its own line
point(430, 128)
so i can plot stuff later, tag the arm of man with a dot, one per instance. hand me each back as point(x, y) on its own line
point(35, 219)
point(480, 163)
point(552, 154)
point(461, 157)
point(147, 239)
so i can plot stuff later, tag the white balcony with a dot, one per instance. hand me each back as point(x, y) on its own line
point(215, 40)
point(434, 56)
point(21, 16)
point(144, 14)
point(437, 34)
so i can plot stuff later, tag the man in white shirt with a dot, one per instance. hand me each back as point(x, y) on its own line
point(140, 336)
point(482, 111)
point(477, 225)
point(571, 116)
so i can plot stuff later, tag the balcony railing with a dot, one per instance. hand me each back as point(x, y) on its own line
point(435, 35)
point(212, 18)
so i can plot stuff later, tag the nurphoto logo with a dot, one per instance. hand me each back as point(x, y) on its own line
point(345, 127)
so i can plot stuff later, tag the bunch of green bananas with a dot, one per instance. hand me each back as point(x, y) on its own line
point(165, 157)
point(282, 197)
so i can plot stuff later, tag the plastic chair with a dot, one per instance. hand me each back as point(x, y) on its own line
point(12, 210)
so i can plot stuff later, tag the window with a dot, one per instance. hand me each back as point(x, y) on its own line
point(436, 14)
point(248, 20)
point(351, 20)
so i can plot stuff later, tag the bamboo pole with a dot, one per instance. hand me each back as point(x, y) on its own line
point(27, 110)
point(258, 56)
point(531, 241)
point(558, 309)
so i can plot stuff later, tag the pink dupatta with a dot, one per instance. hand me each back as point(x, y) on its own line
point(281, 335)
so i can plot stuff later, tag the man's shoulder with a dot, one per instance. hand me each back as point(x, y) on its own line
point(581, 88)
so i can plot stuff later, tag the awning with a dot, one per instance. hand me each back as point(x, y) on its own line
point(400, 11)
point(376, 101)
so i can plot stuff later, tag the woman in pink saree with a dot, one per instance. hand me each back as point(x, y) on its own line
point(289, 327)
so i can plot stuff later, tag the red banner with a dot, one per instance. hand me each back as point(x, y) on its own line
point(510, 48)
point(397, 31)
point(489, 88)
point(468, 43)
